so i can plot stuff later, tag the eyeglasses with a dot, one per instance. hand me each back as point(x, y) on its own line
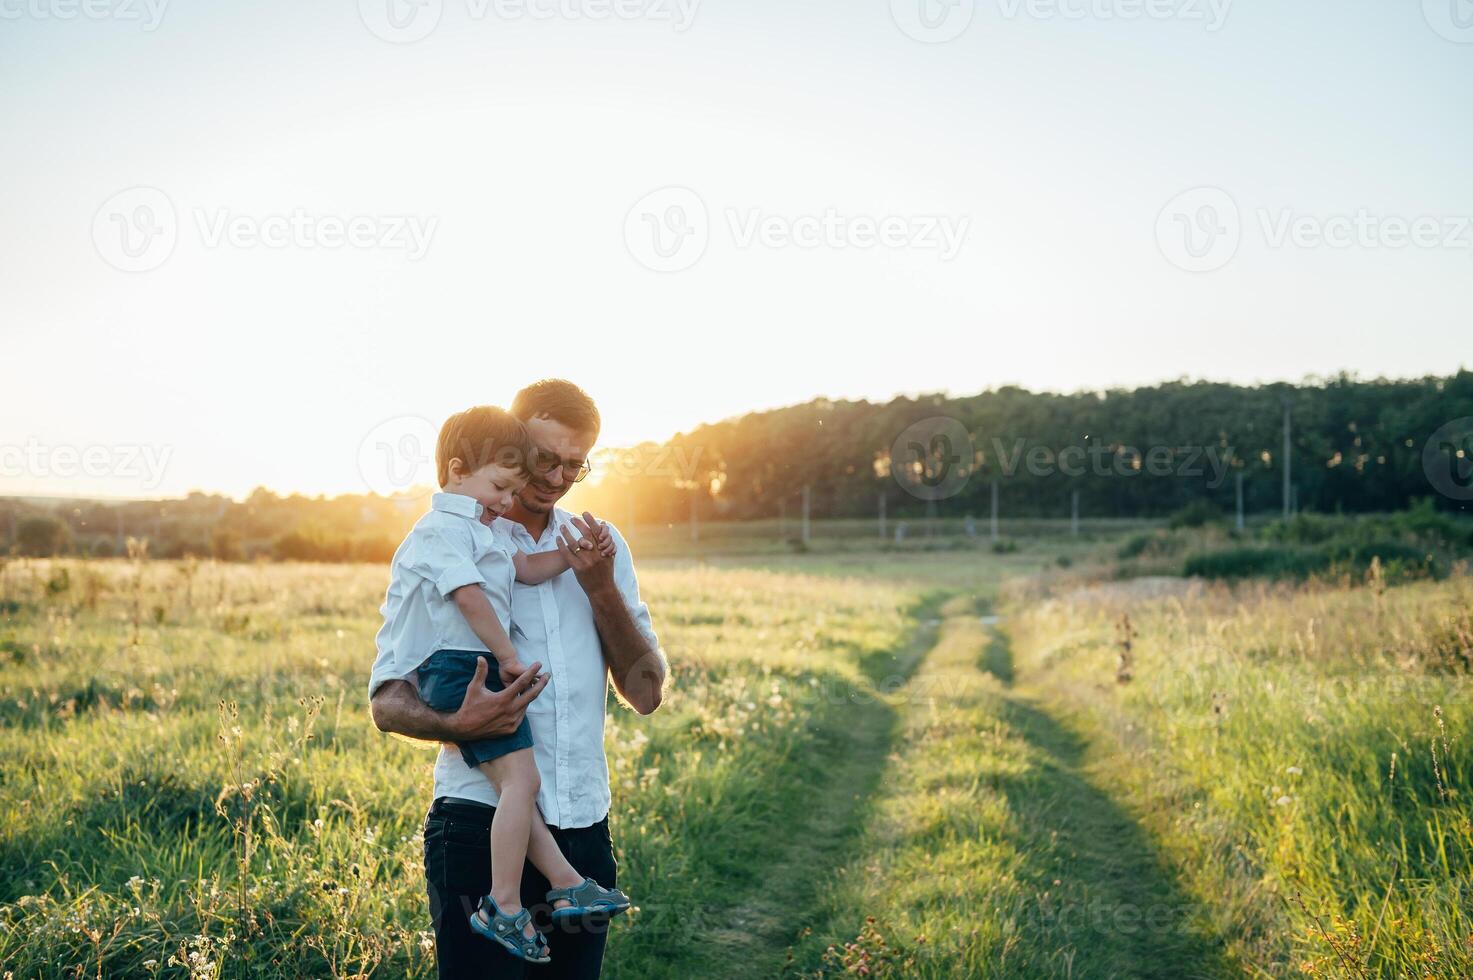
point(574, 471)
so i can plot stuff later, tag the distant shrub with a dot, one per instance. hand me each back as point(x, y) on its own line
point(1198, 513)
point(1238, 563)
point(1400, 561)
point(42, 537)
point(1304, 529)
point(1155, 544)
point(1004, 546)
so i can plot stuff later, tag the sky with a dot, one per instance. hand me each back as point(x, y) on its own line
point(269, 243)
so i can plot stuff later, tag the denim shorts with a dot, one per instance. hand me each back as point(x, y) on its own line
point(443, 680)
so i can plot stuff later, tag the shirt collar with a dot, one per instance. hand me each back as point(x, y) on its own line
point(557, 520)
point(458, 504)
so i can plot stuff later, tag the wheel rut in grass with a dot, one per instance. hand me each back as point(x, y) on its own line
point(748, 933)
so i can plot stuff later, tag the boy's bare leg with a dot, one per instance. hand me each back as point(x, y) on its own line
point(515, 777)
point(518, 833)
point(548, 858)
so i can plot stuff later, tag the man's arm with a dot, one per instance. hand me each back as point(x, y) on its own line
point(636, 666)
point(396, 708)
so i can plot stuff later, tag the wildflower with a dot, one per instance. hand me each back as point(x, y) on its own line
point(1294, 771)
point(1283, 801)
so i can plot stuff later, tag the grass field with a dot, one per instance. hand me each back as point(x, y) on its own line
point(854, 772)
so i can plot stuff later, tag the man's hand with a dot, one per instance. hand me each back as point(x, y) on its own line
point(490, 714)
point(593, 565)
point(397, 708)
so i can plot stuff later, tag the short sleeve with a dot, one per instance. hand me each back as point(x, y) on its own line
point(444, 557)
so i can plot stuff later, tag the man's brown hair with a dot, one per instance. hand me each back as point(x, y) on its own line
point(562, 401)
point(480, 436)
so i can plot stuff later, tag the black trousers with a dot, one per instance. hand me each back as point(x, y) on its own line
point(458, 873)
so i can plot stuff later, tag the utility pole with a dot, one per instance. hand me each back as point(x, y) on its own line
point(807, 494)
point(882, 517)
point(1288, 427)
point(1240, 500)
point(1074, 514)
point(782, 518)
point(930, 518)
point(994, 510)
point(695, 517)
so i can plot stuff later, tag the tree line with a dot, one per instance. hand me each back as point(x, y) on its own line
point(1356, 447)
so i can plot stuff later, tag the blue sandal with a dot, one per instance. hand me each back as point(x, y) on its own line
point(589, 900)
point(509, 931)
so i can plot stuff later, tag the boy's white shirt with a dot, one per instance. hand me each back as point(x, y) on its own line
point(551, 623)
point(447, 548)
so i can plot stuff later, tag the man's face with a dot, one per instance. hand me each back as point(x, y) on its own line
point(569, 449)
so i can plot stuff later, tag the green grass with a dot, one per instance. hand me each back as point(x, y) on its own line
point(1300, 754)
point(853, 773)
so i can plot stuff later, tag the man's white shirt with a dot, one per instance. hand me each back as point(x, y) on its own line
point(552, 623)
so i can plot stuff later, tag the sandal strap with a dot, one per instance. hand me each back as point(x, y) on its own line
point(513, 927)
point(586, 894)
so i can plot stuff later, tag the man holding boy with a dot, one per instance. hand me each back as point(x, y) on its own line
point(584, 626)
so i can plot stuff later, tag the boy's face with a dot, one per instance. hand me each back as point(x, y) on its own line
point(493, 486)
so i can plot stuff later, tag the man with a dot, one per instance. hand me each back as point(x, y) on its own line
point(586, 626)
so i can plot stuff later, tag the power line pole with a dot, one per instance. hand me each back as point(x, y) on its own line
point(695, 517)
point(1074, 514)
point(1240, 500)
point(807, 494)
point(882, 517)
point(1288, 427)
point(994, 510)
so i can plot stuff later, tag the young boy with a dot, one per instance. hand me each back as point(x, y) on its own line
point(448, 604)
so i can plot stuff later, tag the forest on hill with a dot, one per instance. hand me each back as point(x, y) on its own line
point(1356, 446)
